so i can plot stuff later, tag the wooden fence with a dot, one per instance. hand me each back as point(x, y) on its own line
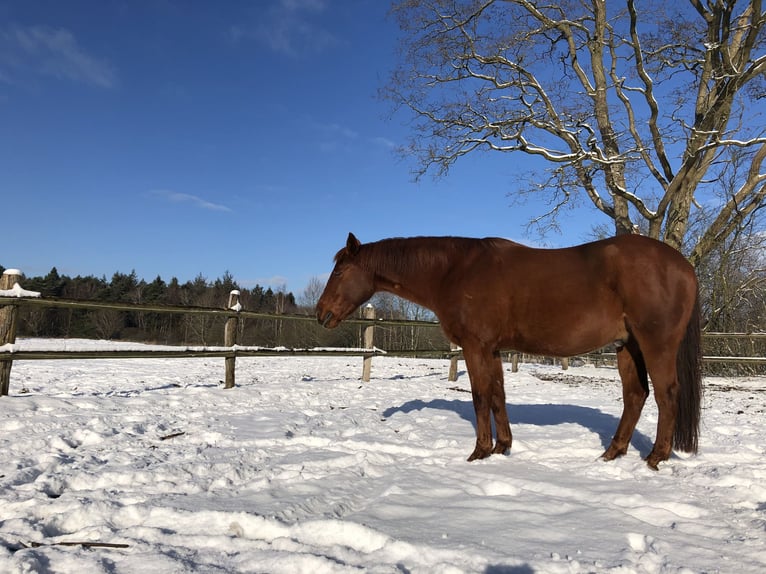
point(12, 297)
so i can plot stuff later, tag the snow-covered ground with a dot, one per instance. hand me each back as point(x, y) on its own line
point(303, 468)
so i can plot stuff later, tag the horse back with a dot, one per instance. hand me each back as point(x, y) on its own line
point(567, 301)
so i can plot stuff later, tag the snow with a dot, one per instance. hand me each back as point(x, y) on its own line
point(18, 291)
point(304, 468)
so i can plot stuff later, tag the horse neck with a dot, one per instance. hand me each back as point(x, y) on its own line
point(411, 268)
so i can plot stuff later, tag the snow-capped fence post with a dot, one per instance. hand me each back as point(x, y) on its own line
point(230, 337)
point(453, 362)
point(8, 314)
point(368, 339)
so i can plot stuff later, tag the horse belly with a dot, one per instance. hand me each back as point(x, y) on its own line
point(557, 307)
point(562, 329)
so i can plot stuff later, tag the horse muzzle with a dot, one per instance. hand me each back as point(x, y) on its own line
point(324, 319)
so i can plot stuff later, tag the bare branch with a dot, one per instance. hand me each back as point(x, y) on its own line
point(749, 198)
point(637, 111)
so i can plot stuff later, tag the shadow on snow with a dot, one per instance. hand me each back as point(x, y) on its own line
point(595, 420)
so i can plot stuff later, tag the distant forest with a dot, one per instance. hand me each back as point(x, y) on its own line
point(129, 288)
point(188, 329)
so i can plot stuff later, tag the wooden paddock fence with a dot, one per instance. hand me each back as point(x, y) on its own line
point(12, 297)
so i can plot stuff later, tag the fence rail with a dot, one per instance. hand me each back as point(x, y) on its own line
point(192, 310)
point(181, 352)
point(232, 314)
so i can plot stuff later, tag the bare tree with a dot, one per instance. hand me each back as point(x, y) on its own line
point(107, 323)
point(632, 105)
point(199, 327)
point(35, 320)
point(279, 309)
point(311, 293)
point(733, 282)
point(389, 306)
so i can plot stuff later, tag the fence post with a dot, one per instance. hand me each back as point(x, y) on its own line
point(452, 363)
point(564, 363)
point(8, 314)
point(369, 313)
point(230, 337)
point(514, 362)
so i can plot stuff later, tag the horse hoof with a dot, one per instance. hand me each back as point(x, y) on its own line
point(655, 458)
point(502, 449)
point(653, 461)
point(613, 452)
point(652, 465)
point(478, 454)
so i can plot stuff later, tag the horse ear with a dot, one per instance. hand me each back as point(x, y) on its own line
point(352, 244)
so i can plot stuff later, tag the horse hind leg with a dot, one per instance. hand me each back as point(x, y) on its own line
point(662, 369)
point(673, 361)
point(635, 390)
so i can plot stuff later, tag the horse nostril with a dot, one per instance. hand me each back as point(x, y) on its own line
point(327, 319)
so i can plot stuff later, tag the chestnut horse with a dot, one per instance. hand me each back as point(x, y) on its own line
point(492, 294)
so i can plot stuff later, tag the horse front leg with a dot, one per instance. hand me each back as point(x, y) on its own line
point(486, 374)
point(499, 410)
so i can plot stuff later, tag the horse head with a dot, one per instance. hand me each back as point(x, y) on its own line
point(348, 287)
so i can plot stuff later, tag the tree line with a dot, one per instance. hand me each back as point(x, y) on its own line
point(129, 288)
point(188, 329)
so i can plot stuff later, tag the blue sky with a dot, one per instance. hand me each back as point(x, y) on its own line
point(183, 138)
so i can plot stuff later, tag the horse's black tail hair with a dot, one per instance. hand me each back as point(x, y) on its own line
point(689, 370)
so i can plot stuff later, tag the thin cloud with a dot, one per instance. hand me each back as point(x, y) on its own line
point(53, 52)
point(384, 142)
point(175, 197)
point(336, 135)
point(301, 5)
point(289, 29)
point(338, 129)
point(332, 136)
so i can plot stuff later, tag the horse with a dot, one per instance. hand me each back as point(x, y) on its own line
point(493, 294)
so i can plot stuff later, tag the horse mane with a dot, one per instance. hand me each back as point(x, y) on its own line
point(414, 254)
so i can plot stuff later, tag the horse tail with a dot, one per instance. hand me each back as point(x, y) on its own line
point(689, 370)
